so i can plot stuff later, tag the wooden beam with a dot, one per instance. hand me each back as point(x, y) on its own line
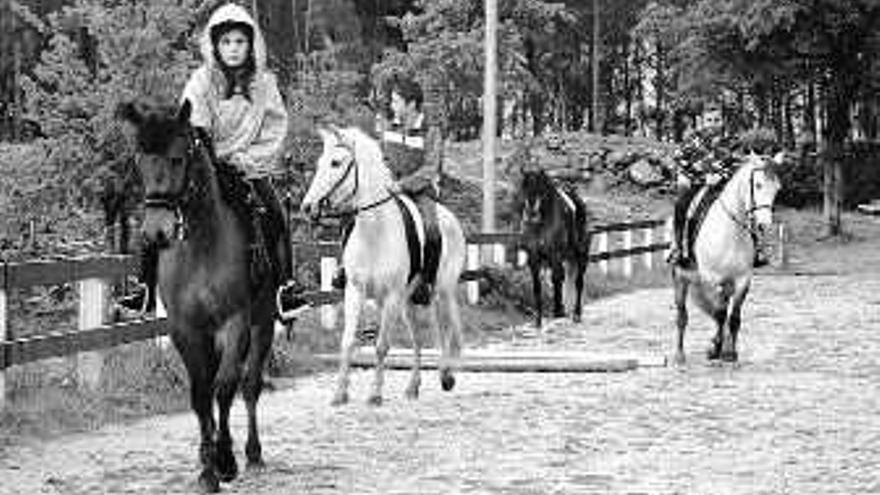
point(506, 362)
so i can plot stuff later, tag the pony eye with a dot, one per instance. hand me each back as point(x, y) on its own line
point(336, 163)
point(176, 161)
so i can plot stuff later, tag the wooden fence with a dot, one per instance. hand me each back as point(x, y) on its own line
point(93, 276)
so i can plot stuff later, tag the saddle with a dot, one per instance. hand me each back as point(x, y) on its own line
point(424, 250)
point(258, 207)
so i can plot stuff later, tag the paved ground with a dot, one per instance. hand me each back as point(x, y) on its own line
point(799, 415)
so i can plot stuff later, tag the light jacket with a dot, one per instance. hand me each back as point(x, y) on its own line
point(249, 134)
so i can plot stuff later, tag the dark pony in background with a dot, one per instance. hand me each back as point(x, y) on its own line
point(220, 316)
point(554, 227)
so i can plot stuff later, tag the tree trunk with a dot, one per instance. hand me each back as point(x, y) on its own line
point(835, 131)
point(659, 89)
point(595, 119)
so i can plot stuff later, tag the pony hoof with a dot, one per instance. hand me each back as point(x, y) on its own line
point(375, 400)
point(412, 393)
point(256, 466)
point(228, 472)
point(227, 467)
point(208, 482)
point(730, 356)
point(339, 399)
point(447, 381)
point(576, 318)
point(713, 354)
point(680, 359)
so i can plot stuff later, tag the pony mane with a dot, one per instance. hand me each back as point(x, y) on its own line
point(367, 150)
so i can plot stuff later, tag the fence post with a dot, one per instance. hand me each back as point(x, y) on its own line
point(603, 248)
point(4, 329)
point(328, 311)
point(473, 263)
point(92, 314)
point(648, 240)
point(500, 255)
point(782, 248)
point(162, 341)
point(522, 258)
point(667, 237)
point(627, 260)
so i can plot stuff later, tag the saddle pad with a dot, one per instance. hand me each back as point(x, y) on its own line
point(414, 230)
point(697, 210)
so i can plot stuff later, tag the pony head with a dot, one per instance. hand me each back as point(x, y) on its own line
point(163, 153)
point(350, 173)
point(759, 183)
point(537, 192)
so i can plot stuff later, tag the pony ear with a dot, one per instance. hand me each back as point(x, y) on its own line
point(779, 158)
point(129, 111)
point(184, 112)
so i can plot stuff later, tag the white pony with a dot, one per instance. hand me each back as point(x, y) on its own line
point(724, 251)
point(352, 177)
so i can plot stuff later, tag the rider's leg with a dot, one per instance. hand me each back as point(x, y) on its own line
point(144, 299)
point(339, 279)
point(678, 251)
point(761, 256)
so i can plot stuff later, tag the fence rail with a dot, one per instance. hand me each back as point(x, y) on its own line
point(92, 275)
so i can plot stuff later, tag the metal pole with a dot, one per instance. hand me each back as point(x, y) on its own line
point(595, 122)
point(490, 116)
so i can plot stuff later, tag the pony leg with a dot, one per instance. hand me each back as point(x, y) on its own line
point(558, 277)
point(354, 300)
point(581, 268)
point(449, 335)
point(728, 347)
point(719, 314)
point(680, 286)
point(201, 365)
point(233, 336)
point(415, 379)
point(261, 336)
point(535, 269)
point(389, 307)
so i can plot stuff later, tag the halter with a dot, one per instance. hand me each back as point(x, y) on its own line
point(175, 202)
point(352, 166)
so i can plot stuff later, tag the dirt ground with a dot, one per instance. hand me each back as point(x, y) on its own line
point(798, 415)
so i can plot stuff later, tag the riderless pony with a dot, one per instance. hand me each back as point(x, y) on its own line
point(554, 225)
point(724, 249)
point(382, 254)
point(220, 315)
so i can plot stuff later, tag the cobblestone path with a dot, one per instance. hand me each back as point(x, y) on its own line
point(799, 415)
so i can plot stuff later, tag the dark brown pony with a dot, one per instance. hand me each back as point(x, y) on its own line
point(554, 226)
point(220, 320)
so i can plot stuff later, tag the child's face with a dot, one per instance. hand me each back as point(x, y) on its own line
point(400, 108)
point(233, 47)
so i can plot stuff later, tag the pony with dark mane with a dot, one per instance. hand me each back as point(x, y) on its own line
point(724, 249)
point(554, 226)
point(220, 315)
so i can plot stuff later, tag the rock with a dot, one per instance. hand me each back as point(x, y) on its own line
point(644, 173)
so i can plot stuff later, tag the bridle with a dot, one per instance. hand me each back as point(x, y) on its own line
point(177, 201)
point(352, 167)
point(750, 224)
